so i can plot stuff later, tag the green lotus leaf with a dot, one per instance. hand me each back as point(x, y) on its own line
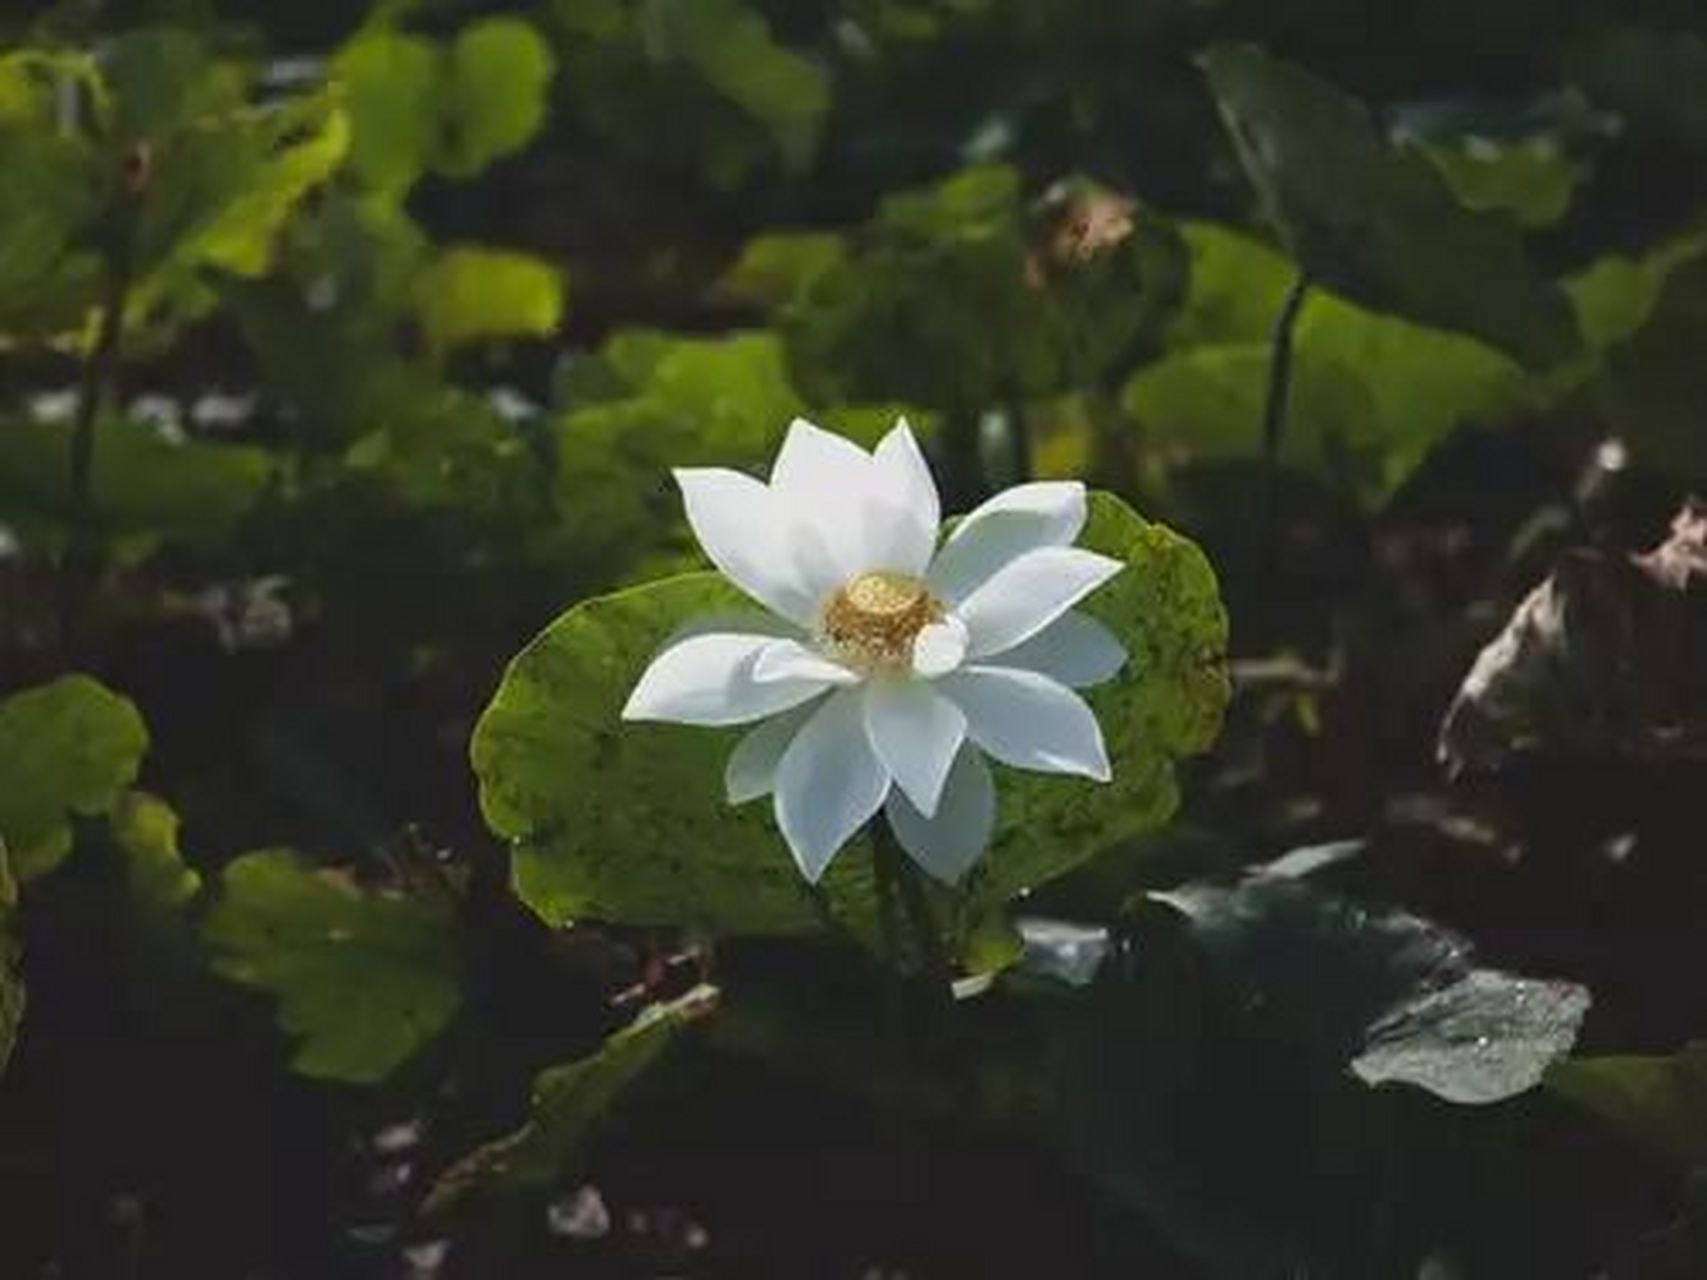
point(628, 822)
point(67, 748)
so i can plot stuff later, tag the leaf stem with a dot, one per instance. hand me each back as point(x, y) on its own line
point(80, 563)
point(961, 473)
point(1019, 437)
point(1280, 345)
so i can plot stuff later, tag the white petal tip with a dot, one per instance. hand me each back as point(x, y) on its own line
point(798, 427)
point(1092, 770)
point(1098, 769)
point(1108, 564)
point(811, 865)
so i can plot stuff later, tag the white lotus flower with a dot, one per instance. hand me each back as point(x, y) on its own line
point(892, 667)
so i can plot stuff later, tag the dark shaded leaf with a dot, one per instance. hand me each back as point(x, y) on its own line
point(1661, 1102)
point(1222, 1038)
point(162, 78)
point(1603, 656)
point(1394, 996)
point(50, 193)
point(143, 485)
point(1183, 1101)
point(1379, 224)
point(780, 267)
point(1658, 384)
point(11, 985)
point(730, 44)
point(1652, 78)
point(567, 1102)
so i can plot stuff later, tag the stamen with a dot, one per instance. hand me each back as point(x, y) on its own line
point(873, 620)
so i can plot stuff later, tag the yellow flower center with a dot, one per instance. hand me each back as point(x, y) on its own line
point(874, 619)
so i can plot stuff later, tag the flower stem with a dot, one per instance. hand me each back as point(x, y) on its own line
point(961, 472)
point(896, 874)
point(80, 565)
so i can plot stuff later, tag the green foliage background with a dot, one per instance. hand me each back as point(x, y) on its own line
point(343, 358)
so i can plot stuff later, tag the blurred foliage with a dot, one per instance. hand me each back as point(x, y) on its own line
point(343, 349)
point(69, 749)
point(146, 829)
point(363, 978)
point(1660, 1101)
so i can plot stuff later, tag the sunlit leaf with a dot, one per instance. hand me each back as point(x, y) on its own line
point(1236, 288)
point(67, 749)
point(238, 235)
point(495, 93)
point(145, 828)
point(1370, 394)
point(568, 1101)
point(390, 83)
point(219, 198)
point(453, 108)
point(1206, 404)
point(470, 293)
point(364, 977)
point(1164, 707)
